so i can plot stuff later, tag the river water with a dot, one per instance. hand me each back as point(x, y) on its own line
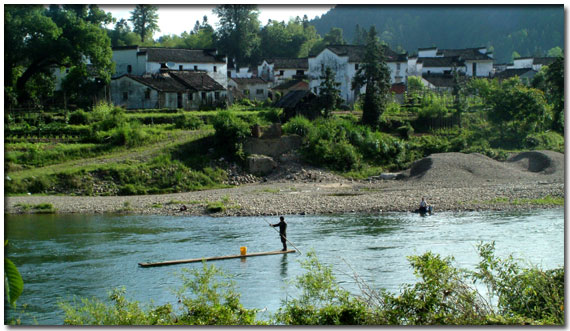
point(61, 256)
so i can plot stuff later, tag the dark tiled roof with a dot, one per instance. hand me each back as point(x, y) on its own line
point(544, 60)
point(426, 48)
point(289, 63)
point(290, 83)
point(163, 55)
point(196, 80)
point(291, 99)
point(465, 53)
point(356, 53)
point(247, 81)
point(515, 72)
point(443, 80)
point(178, 81)
point(440, 81)
point(430, 62)
point(160, 82)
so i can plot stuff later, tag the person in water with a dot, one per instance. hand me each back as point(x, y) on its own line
point(423, 206)
point(282, 231)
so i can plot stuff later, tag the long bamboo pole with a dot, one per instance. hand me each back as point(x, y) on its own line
point(289, 241)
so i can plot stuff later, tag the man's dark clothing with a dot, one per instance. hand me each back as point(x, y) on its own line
point(282, 232)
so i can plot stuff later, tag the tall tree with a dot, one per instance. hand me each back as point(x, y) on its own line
point(329, 94)
point(373, 73)
point(145, 20)
point(238, 34)
point(555, 91)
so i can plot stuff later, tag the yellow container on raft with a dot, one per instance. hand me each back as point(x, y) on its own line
point(243, 250)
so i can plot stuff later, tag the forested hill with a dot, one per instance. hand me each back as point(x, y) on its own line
point(528, 30)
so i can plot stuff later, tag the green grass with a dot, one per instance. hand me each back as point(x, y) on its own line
point(546, 201)
point(42, 208)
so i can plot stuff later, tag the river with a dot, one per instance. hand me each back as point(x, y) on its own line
point(61, 256)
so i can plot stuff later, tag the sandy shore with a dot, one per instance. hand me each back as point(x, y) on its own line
point(450, 182)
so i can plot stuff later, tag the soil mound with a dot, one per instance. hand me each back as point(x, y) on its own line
point(475, 169)
point(546, 162)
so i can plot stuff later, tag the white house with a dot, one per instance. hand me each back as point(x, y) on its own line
point(278, 70)
point(345, 60)
point(139, 61)
point(473, 62)
point(254, 88)
point(167, 89)
point(534, 63)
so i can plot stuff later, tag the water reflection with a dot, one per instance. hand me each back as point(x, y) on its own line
point(284, 266)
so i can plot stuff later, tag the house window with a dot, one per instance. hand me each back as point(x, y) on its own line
point(203, 95)
point(356, 66)
point(259, 91)
point(147, 94)
point(216, 95)
point(281, 72)
point(125, 96)
point(474, 69)
point(195, 68)
point(190, 96)
point(129, 68)
point(215, 69)
point(180, 67)
point(300, 72)
point(179, 100)
point(397, 66)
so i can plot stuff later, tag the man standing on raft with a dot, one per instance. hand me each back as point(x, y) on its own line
point(282, 231)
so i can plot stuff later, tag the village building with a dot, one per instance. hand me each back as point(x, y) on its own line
point(240, 72)
point(534, 63)
point(139, 61)
point(290, 85)
point(473, 62)
point(185, 89)
point(279, 70)
point(525, 74)
point(300, 102)
point(345, 60)
point(253, 88)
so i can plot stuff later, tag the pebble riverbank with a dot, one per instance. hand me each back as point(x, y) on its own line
point(450, 182)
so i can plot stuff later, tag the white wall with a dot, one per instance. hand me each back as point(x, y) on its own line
point(265, 71)
point(427, 53)
point(125, 57)
point(484, 68)
point(340, 66)
point(522, 63)
point(345, 72)
point(136, 94)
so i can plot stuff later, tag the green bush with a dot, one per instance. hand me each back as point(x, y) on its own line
point(231, 132)
point(191, 122)
point(549, 140)
point(297, 125)
point(79, 117)
point(205, 300)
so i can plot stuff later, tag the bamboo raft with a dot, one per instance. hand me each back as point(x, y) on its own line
point(158, 264)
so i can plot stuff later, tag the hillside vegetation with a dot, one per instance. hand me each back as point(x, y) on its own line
point(527, 30)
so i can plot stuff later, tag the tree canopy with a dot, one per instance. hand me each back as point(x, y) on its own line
point(37, 39)
point(238, 35)
point(145, 21)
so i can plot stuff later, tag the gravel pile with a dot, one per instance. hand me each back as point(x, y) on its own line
point(450, 181)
